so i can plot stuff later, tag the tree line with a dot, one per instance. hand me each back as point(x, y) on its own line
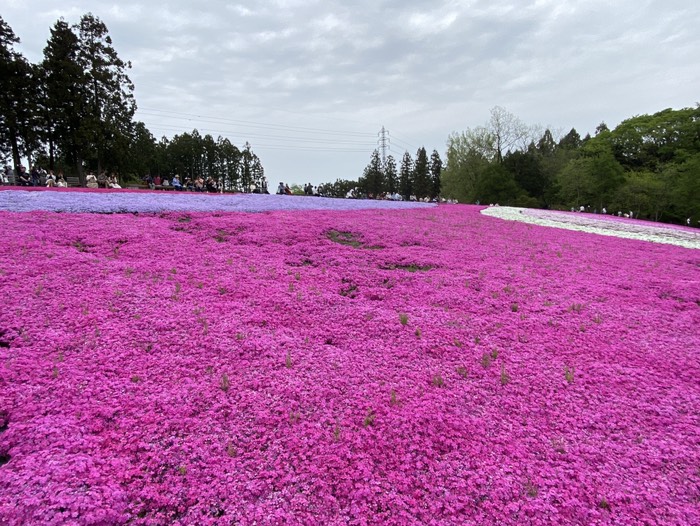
point(419, 178)
point(648, 164)
point(74, 112)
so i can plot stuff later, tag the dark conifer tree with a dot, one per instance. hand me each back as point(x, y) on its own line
point(406, 176)
point(18, 99)
point(435, 174)
point(372, 181)
point(422, 186)
point(390, 175)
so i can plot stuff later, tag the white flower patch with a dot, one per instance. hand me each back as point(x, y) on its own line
point(604, 225)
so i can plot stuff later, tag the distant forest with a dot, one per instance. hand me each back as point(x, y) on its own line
point(74, 112)
point(649, 165)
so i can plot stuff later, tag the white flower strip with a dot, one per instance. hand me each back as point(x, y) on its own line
point(605, 225)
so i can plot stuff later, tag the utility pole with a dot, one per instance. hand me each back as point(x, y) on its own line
point(383, 143)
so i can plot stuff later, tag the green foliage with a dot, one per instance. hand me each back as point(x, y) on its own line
point(649, 164)
point(406, 176)
point(340, 188)
point(19, 114)
point(435, 174)
point(422, 186)
point(391, 176)
point(372, 182)
point(497, 185)
point(528, 173)
point(468, 155)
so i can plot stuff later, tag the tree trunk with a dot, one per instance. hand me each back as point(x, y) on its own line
point(15, 149)
point(52, 161)
point(79, 168)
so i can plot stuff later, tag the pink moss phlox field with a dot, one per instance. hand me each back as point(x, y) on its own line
point(401, 367)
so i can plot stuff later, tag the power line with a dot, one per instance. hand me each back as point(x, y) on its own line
point(323, 147)
point(365, 143)
point(408, 144)
point(222, 120)
point(301, 136)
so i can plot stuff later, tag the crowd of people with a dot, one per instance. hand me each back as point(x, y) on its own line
point(38, 176)
point(197, 184)
point(603, 210)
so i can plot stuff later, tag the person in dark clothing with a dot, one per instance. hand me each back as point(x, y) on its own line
point(24, 178)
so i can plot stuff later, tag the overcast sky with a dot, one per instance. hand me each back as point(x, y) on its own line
point(310, 83)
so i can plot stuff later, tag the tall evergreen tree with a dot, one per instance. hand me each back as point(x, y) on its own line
point(247, 161)
point(390, 175)
point(88, 95)
point(571, 141)
point(111, 104)
point(18, 99)
point(422, 186)
point(372, 181)
point(435, 174)
point(406, 176)
point(63, 95)
point(546, 144)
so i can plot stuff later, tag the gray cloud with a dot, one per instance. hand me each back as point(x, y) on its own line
point(421, 69)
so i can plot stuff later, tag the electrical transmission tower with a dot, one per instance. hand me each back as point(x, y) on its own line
point(383, 143)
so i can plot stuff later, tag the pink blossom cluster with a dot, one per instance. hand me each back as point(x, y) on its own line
point(402, 367)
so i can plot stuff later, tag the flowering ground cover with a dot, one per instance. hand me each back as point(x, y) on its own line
point(417, 366)
point(607, 225)
point(146, 201)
